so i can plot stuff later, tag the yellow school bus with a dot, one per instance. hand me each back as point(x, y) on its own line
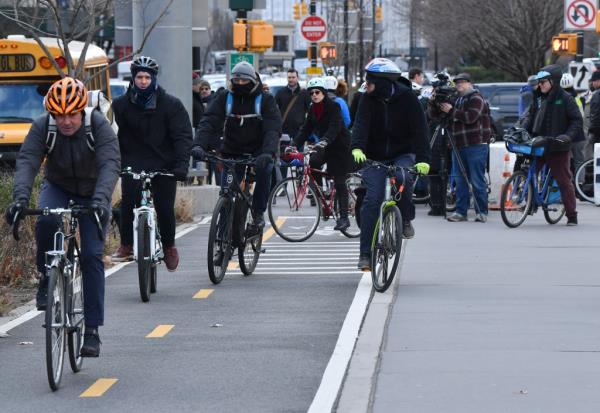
point(26, 73)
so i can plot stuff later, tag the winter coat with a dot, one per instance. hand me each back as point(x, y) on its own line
point(197, 109)
point(594, 127)
point(297, 113)
point(153, 139)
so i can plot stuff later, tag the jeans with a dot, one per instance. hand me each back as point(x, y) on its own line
point(262, 186)
point(92, 248)
point(474, 159)
point(374, 181)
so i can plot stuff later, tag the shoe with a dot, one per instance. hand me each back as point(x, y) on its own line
point(91, 343)
point(41, 298)
point(435, 212)
point(124, 253)
point(258, 220)
point(481, 218)
point(171, 258)
point(408, 231)
point(572, 221)
point(364, 262)
point(457, 218)
point(342, 224)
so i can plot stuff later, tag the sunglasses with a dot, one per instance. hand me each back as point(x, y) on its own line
point(315, 92)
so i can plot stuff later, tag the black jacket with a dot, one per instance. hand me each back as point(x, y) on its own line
point(240, 135)
point(387, 129)
point(594, 128)
point(354, 107)
point(153, 139)
point(71, 165)
point(197, 109)
point(330, 127)
point(297, 113)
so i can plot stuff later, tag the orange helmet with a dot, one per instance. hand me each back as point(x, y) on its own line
point(66, 96)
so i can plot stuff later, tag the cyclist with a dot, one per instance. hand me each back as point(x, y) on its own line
point(81, 165)
point(556, 124)
point(249, 121)
point(390, 127)
point(155, 134)
point(325, 126)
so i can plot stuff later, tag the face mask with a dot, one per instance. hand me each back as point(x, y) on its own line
point(242, 89)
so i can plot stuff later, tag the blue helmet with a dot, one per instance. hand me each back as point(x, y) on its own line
point(382, 67)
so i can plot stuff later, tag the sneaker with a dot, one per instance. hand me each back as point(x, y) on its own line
point(481, 218)
point(41, 298)
point(91, 343)
point(572, 221)
point(408, 231)
point(342, 224)
point(457, 218)
point(124, 253)
point(364, 262)
point(259, 220)
point(171, 258)
point(435, 212)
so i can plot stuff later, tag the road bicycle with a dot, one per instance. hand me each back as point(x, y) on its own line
point(584, 180)
point(528, 189)
point(297, 204)
point(232, 226)
point(64, 318)
point(147, 247)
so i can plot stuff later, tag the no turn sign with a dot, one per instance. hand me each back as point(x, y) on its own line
point(313, 29)
point(580, 14)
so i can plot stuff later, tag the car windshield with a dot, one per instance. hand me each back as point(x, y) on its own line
point(22, 102)
point(117, 90)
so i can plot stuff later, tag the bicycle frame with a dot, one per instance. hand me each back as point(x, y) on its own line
point(545, 177)
point(147, 208)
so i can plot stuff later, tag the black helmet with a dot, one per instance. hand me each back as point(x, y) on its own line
point(244, 70)
point(145, 64)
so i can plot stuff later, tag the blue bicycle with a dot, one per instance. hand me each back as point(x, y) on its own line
point(528, 189)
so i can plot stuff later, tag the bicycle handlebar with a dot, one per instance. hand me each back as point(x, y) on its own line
point(143, 175)
point(75, 210)
point(391, 168)
point(247, 160)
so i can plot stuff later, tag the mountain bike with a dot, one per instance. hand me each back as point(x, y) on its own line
point(147, 247)
point(528, 189)
point(64, 318)
point(584, 180)
point(297, 204)
point(232, 226)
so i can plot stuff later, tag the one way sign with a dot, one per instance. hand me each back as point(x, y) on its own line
point(582, 72)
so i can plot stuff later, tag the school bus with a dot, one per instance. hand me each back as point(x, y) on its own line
point(26, 74)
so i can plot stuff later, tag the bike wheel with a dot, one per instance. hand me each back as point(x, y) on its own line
point(353, 182)
point(386, 249)
point(421, 190)
point(144, 257)
point(55, 327)
point(153, 278)
point(584, 181)
point(219, 241)
point(250, 243)
point(294, 210)
point(553, 207)
point(75, 337)
point(515, 200)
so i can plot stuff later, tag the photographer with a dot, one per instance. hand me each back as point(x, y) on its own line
point(470, 131)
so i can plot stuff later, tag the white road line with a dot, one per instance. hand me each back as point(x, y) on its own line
point(301, 260)
point(279, 272)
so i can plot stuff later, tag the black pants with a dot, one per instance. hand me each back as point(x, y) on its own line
point(339, 182)
point(163, 193)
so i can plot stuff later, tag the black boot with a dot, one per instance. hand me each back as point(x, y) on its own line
point(91, 343)
point(341, 194)
point(436, 211)
point(41, 298)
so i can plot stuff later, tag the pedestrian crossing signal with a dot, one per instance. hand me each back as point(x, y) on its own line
point(379, 14)
point(296, 11)
point(327, 51)
point(564, 44)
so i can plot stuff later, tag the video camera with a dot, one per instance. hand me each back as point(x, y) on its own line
point(444, 89)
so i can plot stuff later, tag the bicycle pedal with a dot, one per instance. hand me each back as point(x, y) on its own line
point(263, 250)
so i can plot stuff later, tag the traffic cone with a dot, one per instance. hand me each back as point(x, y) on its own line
point(506, 173)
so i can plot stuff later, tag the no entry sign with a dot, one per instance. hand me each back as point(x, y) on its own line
point(313, 28)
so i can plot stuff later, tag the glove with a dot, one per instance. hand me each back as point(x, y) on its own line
point(15, 209)
point(100, 210)
point(290, 149)
point(263, 160)
point(198, 153)
point(422, 168)
point(359, 155)
point(180, 173)
point(320, 147)
point(539, 141)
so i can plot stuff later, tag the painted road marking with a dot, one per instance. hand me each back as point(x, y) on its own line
point(160, 331)
point(270, 232)
point(100, 387)
point(203, 293)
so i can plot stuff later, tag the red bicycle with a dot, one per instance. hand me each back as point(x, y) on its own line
point(297, 203)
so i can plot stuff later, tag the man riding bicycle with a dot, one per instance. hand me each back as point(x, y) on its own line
point(82, 164)
point(390, 127)
point(249, 122)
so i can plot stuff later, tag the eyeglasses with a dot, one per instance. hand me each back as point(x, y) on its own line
point(315, 92)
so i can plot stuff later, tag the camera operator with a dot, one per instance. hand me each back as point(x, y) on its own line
point(470, 130)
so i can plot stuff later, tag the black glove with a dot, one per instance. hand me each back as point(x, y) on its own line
point(180, 173)
point(14, 209)
point(539, 141)
point(320, 147)
point(100, 210)
point(198, 153)
point(263, 160)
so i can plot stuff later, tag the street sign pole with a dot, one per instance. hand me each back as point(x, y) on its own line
point(579, 55)
point(313, 45)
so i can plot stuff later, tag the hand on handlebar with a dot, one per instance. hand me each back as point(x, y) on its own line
point(14, 211)
point(422, 168)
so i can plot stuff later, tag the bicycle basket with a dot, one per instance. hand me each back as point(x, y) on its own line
point(524, 149)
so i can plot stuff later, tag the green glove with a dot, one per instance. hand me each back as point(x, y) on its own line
point(422, 168)
point(359, 155)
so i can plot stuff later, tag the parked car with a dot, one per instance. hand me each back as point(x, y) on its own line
point(503, 99)
point(118, 87)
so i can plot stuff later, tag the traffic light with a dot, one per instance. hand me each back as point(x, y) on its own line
point(297, 11)
point(327, 51)
point(303, 9)
point(564, 44)
point(260, 35)
point(379, 14)
point(239, 35)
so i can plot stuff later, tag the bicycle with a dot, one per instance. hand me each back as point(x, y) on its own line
point(528, 189)
point(64, 309)
point(584, 181)
point(297, 203)
point(232, 225)
point(147, 247)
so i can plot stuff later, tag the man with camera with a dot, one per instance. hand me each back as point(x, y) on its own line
point(469, 124)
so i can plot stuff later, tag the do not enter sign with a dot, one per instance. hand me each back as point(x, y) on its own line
point(313, 28)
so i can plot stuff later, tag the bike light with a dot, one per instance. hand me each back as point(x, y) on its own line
point(61, 61)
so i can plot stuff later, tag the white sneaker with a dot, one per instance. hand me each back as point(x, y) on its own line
point(481, 218)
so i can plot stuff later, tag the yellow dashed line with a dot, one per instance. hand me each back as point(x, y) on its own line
point(270, 232)
point(204, 293)
point(100, 387)
point(160, 331)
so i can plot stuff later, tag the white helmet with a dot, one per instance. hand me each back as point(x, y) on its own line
point(331, 82)
point(317, 83)
point(566, 81)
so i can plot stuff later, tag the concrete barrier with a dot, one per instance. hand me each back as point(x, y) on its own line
point(497, 166)
point(204, 197)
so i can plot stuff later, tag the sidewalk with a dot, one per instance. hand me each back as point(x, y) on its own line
point(489, 319)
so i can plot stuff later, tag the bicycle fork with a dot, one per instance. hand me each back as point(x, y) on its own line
point(155, 247)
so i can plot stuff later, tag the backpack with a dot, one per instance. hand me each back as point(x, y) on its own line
point(52, 131)
point(229, 107)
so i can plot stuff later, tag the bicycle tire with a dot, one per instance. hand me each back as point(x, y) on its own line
point(386, 247)
point(303, 225)
point(353, 231)
point(55, 327)
point(510, 199)
point(554, 211)
point(584, 181)
point(153, 278)
point(420, 199)
point(75, 335)
point(144, 257)
point(250, 243)
point(221, 216)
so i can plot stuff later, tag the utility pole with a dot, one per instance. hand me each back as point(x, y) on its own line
point(346, 52)
point(361, 39)
point(313, 45)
